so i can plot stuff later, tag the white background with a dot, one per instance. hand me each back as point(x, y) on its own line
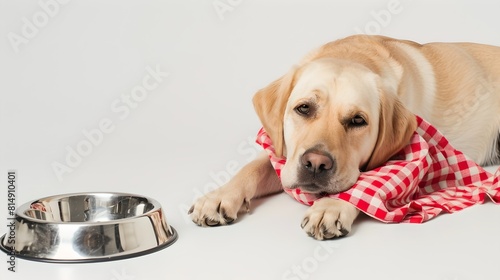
point(72, 67)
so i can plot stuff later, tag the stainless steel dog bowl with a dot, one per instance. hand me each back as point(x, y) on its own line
point(88, 227)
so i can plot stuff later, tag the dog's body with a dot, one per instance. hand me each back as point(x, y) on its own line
point(349, 106)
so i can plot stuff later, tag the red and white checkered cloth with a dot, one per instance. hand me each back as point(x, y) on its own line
point(426, 177)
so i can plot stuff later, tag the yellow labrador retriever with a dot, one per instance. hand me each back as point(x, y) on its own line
point(348, 106)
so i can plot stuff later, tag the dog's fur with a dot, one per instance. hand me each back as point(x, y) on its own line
point(349, 106)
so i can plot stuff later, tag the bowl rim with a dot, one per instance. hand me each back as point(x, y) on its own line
point(20, 211)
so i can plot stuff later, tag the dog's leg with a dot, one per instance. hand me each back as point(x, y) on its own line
point(329, 218)
point(221, 206)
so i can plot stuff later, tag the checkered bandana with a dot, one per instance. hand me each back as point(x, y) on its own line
point(425, 178)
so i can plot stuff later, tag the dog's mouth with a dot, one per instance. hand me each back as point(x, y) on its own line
point(320, 189)
point(312, 188)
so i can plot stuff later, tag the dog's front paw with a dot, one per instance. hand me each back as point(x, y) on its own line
point(329, 218)
point(219, 207)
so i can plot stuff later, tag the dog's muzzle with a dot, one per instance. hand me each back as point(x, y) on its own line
point(315, 170)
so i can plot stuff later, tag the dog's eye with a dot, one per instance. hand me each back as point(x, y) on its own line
point(357, 121)
point(303, 109)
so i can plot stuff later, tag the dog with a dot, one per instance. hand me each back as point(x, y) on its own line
point(348, 107)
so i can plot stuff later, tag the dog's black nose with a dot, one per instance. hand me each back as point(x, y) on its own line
point(316, 162)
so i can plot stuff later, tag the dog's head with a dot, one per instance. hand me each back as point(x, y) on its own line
point(332, 118)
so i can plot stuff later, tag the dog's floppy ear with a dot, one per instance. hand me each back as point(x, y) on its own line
point(270, 104)
point(396, 126)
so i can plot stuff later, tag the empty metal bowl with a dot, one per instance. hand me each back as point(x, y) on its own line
point(88, 227)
